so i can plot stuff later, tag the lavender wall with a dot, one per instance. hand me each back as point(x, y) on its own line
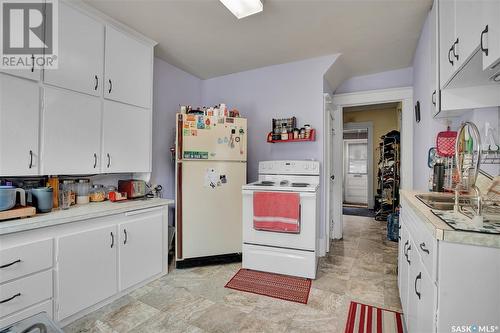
point(383, 80)
point(292, 89)
point(172, 87)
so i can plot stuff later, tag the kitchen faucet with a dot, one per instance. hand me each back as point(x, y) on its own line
point(468, 182)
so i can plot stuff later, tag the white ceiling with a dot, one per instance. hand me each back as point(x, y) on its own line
point(203, 38)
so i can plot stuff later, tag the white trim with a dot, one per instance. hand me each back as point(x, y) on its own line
point(340, 101)
point(368, 125)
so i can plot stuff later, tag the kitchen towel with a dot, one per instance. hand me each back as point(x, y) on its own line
point(276, 211)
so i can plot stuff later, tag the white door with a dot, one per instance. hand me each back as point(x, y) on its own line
point(81, 52)
point(491, 36)
point(126, 138)
point(468, 25)
point(447, 61)
point(19, 119)
point(356, 171)
point(128, 69)
point(71, 134)
point(141, 248)
point(337, 174)
point(86, 269)
point(211, 207)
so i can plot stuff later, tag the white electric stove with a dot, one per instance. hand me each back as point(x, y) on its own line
point(293, 254)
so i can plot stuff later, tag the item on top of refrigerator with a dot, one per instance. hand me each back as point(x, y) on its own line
point(234, 113)
point(97, 193)
point(82, 191)
point(53, 182)
point(117, 196)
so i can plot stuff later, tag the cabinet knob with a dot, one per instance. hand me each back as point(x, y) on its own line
point(110, 86)
point(126, 236)
point(419, 276)
point(96, 82)
point(95, 160)
point(109, 159)
point(31, 159)
point(112, 240)
point(484, 32)
point(450, 60)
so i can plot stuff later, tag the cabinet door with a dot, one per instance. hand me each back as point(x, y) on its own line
point(81, 52)
point(126, 138)
point(71, 133)
point(141, 247)
point(19, 119)
point(412, 315)
point(468, 28)
point(447, 61)
point(434, 68)
point(87, 269)
point(403, 269)
point(128, 69)
point(426, 303)
point(491, 37)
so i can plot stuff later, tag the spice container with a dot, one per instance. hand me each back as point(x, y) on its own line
point(308, 131)
point(296, 133)
point(82, 191)
point(284, 133)
point(302, 134)
point(97, 193)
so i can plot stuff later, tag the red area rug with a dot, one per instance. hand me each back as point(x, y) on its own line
point(364, 318)
point(284, 287)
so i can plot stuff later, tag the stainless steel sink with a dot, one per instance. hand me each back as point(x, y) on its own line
point(441, 201)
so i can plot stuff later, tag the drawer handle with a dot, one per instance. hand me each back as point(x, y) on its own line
point(408, 259)
point(422, 247)
point(10, 298)
point(31, 159)
point(419, 276)
point(433, 98)
point(96, 82)
point(95, 160)
point(454, 49)
point(12, 263)
point(126, 236)
point(110, 86)
point(112, 240)
point(450, 60)
point(109, 159)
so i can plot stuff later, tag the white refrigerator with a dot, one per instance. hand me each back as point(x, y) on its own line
point(211, 155)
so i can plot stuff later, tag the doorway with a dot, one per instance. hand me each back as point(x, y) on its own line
point(334, 119)
point(356, 176)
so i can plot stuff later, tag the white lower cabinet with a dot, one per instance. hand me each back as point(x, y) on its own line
point(141, 245)
point(444, 286)
point(87, 273)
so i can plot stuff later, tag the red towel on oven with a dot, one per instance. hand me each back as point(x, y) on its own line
point(276, 211)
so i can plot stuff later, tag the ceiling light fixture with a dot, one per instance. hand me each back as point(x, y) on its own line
point(243, 8)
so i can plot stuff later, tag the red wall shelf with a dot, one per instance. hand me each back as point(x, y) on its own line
point(312, 137)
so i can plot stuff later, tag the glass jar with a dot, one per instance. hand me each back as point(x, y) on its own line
point(82, 191)
point(69, 186)
point(97, 193)
point(308, 131)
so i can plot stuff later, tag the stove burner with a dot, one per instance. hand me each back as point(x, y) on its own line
point(300, 184)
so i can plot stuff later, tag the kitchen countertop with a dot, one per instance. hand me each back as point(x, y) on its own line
point(78, 213)
point(442, 231)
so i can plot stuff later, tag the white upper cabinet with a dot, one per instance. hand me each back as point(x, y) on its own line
point(81, 52)
point(126, 138)
point(19, 118)
point(447, 60)
point(128, 69)
point(468, 28)
point(71, 134)
point(490, 36)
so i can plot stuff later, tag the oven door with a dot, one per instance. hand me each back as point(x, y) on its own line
point(305, 239)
